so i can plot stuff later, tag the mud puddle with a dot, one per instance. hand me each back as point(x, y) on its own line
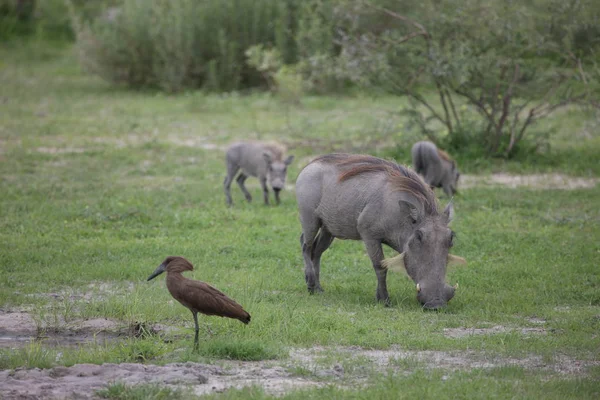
point(18, 329)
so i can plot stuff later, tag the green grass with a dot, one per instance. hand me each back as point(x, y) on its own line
point(100, 184)
point(501, 383)
point(120, 391)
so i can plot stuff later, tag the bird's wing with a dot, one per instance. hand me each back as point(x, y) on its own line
point(208, 300)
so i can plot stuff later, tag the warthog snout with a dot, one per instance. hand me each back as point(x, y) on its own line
point(434, 299)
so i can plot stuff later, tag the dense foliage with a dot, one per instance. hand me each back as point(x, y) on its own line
point(512, 63)
point(185, 44)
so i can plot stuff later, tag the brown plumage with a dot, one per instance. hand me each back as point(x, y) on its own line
point(198, 296)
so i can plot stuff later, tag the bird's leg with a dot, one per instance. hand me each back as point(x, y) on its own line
point(196, 330)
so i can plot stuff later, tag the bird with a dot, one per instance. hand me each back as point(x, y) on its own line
point(197, 296)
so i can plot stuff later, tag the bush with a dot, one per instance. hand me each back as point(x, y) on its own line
point(182, 44)
point(46, 19)
point(283, 80)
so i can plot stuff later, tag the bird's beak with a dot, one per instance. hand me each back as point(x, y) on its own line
point(161, 268)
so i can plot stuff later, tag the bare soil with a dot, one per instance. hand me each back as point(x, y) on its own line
point(534, 181)
point(276, 377)
point(464, 332)
point(304, 367)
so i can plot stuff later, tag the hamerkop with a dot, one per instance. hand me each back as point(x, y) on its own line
point(198, 296)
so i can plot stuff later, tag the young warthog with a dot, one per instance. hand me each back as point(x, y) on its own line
point(366, 198)
point(436, 166)
point(263, 160)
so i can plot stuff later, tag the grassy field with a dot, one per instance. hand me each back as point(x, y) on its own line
point(100, 184)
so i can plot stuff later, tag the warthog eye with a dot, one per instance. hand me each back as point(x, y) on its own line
point(452, 235)
point(419, 235)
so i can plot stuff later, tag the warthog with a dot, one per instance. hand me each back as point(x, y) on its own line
point(436, 167)
point(263, 160)
point(366, 198)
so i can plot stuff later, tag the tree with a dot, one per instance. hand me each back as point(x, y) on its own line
point(500, 59)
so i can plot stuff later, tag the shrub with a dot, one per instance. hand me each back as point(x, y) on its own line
point(46, 19)
point(176, 44)
point(283, 80)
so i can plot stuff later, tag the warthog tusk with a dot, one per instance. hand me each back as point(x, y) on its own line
point(418, 288)
point(456, 286)
point(455, 260)
point(394, 263)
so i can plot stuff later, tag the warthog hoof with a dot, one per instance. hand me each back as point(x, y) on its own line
point(385, 300)
point(316, 289)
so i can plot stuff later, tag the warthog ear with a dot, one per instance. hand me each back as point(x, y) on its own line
point(449, 212)
point(394, 263)
point(415, 207)
point(267, 158)
point(455, 260)
point(289, 160)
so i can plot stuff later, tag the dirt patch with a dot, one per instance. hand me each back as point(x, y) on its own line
point(452, 360)
point(276, 377)
point(123, 141)
point(60, 150)
point(536, 181)
point(82, 380)
point(464, 332)
point(16, 329)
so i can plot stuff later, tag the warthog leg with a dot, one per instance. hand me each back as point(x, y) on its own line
point(276, 191)
point(309, 272)
point(240, 181)
point(231, 171)
point(263, 184)
point(322, 243)
point(310, 228)
point(376, 255)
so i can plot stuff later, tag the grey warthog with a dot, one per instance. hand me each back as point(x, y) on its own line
point(366, 198)
point(436, 167)
point(263, 160)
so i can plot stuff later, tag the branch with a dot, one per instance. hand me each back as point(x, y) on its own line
point(449, 96)
point(548, 94)
point(549, 109)
point(478, 103)
point(402, 18)
point(415, 77)
point(448, 121)
point(513, 127)
point(505, 108)
point(405, 38)
point(494, 98)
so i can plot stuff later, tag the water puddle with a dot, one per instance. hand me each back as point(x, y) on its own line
point(18, 329)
